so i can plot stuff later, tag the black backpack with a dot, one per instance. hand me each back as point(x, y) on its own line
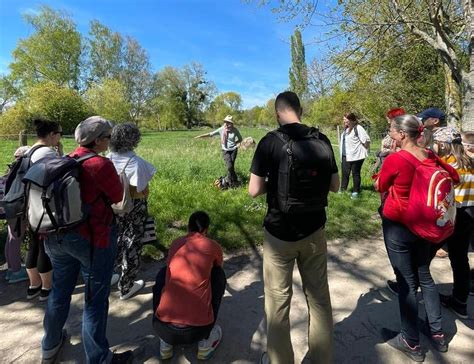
point(14, 199)
point(304, 173)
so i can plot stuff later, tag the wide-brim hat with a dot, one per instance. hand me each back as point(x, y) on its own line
point(229, 119)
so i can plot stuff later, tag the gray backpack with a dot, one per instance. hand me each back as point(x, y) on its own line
point(54, 194)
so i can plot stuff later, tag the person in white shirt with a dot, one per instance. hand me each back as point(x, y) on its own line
point(124, 139)
point(230, 141)
point(354, 147)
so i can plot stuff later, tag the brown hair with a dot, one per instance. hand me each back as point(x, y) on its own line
point(351, 117)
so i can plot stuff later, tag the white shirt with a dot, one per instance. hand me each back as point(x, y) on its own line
point(355, 149)
point(42, 153)
point(138, 171)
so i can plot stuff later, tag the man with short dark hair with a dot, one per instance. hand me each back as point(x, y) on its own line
point(294, 228)
point(433, 118)
point(90, 249)
point(188, 291)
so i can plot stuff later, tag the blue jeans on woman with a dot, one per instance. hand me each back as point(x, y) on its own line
point(410, 257)
point(70, 254)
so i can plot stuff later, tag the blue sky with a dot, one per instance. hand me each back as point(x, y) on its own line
point(243, 47)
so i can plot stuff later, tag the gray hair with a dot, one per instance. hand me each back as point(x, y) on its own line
point(124, 138)
point(412, 125)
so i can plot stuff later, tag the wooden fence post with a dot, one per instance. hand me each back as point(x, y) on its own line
point(23, 138)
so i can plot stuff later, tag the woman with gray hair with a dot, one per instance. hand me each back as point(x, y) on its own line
point(138, 172)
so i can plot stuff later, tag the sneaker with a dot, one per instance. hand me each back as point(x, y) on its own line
point(33, 292)
point(460, 309)
point(393, 287)
point(166, 350)
point(399, 343)
point(264, 358)
point(53, 357)
point(207, 346)
point(20, 276)
point(44, 294)
point(354, 195)
point(438, 340)
point(137, 285)
point(115, 278)
point(122, 358)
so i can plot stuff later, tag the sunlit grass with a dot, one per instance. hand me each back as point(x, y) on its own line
point(186, 170)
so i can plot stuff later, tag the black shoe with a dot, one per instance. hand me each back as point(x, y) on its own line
point(438, 340)
point(399, 343)
point(33, 292)
point(55, 357)
point(393, 287)
point(460, 309)
point(122, 358)
point(44, 294)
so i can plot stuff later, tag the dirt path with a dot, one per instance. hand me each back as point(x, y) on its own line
point(361, 306)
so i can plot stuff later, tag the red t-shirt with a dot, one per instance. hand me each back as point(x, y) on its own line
point(396, 177)
point(99, 182)
point(186, 296)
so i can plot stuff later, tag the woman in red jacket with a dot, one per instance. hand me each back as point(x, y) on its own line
point(408, 254)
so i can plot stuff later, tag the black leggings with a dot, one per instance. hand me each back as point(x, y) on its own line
point(347, 168)
point(187, 335)
point(36, 256)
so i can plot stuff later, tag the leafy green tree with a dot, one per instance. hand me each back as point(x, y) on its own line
point(250, 116)
point(51, 54)
point(298, 73)
point(105, 53)
point(109, 100)
point(227, 103)
point(136, 76)
point(8, 92)
point(15, 119)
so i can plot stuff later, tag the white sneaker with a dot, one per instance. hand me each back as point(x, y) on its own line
point(207, 347)
point(166, 350)
point(115, 279)
point(137, 285)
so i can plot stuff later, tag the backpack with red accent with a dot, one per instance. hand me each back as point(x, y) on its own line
point(431, 210)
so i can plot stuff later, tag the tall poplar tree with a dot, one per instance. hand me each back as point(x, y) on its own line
point(298, 72)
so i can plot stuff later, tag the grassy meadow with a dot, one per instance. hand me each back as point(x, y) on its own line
point(186, 170)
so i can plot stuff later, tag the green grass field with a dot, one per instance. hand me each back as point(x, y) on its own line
point(186, 170)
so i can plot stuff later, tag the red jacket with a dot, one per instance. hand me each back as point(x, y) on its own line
point(396, 177)
point(100, 186)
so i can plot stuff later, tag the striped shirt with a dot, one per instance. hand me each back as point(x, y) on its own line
point(464, 191)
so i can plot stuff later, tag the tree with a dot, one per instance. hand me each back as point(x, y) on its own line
point(51, 54)
point(225, 104)
point(109, 100)
point(8, 92)
point(370, 27)
point(105, 53)
point(136, 77)
point(47, 100)
point(298, 74)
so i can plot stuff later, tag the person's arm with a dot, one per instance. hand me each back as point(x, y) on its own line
point(335, 182)
point(111, 185)
point(203, 136)
point(363, 137)
point(257, 185)
point(388, 173)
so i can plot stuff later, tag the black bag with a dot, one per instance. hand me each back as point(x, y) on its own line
point(304, 173)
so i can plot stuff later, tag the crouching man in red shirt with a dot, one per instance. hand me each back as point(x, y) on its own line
point(188, 291)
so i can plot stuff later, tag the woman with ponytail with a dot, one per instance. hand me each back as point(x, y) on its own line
point(409, 255)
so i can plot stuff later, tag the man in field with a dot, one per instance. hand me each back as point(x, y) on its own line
point(294, 228)
point(230, 140)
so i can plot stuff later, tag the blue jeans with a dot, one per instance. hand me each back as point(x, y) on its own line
point(410, 257)
point(71, 253)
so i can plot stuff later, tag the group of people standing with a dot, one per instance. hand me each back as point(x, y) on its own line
point(189, 289)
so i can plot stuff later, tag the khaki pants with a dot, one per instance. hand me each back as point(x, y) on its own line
point(279, 257)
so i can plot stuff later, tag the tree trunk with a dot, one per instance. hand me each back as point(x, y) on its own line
point(468, 115)
point(453, 98)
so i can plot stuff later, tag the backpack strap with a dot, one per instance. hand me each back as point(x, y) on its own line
point(285, 138)
point(86, 157)
point(126, 164)
point(34, 149)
